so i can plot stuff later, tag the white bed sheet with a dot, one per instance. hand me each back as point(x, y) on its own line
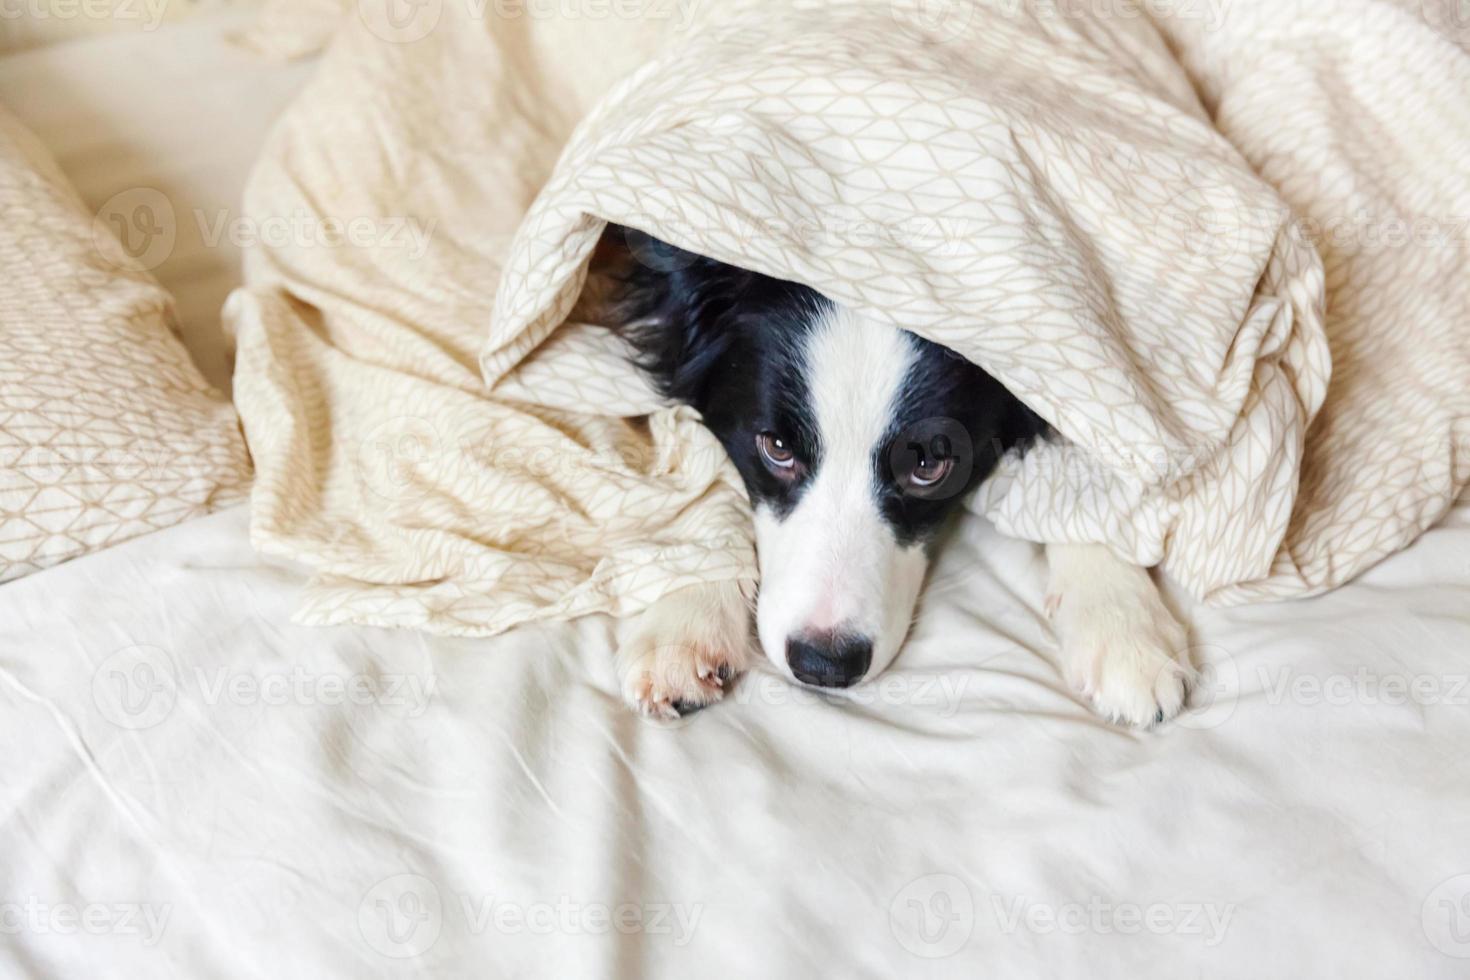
point(170, 120)
point(186, 794)
point(477, 826)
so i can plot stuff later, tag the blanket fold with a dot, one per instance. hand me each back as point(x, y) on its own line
point(1263, 411)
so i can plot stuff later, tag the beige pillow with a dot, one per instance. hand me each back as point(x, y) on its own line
point(107, 430)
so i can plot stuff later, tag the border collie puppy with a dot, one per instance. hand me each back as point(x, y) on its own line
point(857, 442)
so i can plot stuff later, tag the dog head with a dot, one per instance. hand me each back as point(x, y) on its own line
point(856, 442)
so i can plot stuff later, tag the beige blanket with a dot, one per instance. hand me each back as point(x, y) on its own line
point(1069, 197)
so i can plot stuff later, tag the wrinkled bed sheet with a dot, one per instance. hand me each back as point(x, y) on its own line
point(196, 787)
point(295, 801)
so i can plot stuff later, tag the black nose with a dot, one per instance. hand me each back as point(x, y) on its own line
point(828, 659)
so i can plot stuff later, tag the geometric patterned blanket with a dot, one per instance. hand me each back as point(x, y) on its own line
point(1222, 249)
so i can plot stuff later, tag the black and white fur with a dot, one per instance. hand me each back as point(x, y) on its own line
point(857, 442)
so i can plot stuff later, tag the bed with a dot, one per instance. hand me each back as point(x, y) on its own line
point(196, 786)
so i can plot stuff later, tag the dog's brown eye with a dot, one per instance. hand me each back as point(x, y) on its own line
point(776, 453)
point(932, 459)
point(931, 472)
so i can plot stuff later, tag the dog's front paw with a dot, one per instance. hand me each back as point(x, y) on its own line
point(1127, 662)
point(1121, 647)
point(685, 650)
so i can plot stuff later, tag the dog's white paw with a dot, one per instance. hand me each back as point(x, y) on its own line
point(685, 650)
point(1121, 647)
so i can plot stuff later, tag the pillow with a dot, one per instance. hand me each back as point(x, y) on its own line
point(107, 430)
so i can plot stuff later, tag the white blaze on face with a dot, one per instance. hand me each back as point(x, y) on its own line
point(833, 563)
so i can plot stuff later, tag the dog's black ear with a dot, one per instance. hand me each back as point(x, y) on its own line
point(675, 308)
